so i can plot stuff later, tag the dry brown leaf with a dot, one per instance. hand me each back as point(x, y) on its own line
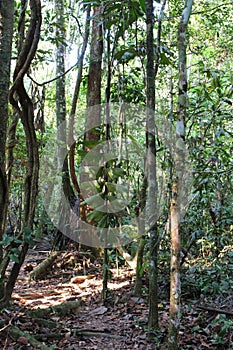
point(22, 340)
point(99, 311)
point(80, 279)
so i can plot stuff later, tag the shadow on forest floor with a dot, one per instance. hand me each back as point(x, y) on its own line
point(119, 324)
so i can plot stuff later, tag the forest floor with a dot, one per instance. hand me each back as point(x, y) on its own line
point(85, 323)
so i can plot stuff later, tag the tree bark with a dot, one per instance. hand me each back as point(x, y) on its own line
point(94, 77)
point(142, 241)
point(6, 34)
point(62, 154)
point(22, 104)
point(175, 283)
point(151, 167)
point(43, 268)
point(72, 142)
point(93, 118)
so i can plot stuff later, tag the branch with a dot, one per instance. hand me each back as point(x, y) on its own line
point(158, 51)
point(74, 105)
point(200, 12)
point(213, 309)
point(187, 11)
point(77, 21)
point(8, 325)
point(95, 333)
point(213, 171)
point(212, 9)
point(55, 78)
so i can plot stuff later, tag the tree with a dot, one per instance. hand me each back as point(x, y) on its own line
point(94, 77)
point(152, 71)
point(93, 117)
point(72, 116)
point(22, 103)
point(62, 155)
point(6, 34)
point(175, 209)
point(151, 168)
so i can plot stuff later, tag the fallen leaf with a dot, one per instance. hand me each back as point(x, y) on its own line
point(22, 340)
point(99, 311)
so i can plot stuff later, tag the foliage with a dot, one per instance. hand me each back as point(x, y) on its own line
point(207, 225)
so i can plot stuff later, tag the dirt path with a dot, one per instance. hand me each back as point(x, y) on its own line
point(119, 324)
point(116, 325)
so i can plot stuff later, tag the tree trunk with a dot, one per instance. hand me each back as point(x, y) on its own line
point(94, 77)
point(175, 283)
point(22, 104)
point(60, 82)
point(6, 34)
point(93, 119)
point(139, 266)
point(151, 168)
point(71, 140)
point(142, 241)
point(61, 240)
point(152, 71)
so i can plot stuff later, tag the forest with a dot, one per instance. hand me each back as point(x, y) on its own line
point(116, 186)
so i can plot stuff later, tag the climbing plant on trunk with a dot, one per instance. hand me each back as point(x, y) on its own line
point(23, 105)
point(6, 34)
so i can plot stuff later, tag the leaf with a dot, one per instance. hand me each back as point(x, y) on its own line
point(111, 186)
point(22, 340)
point(164, 60)
point(103, 223)
point(94, 201)
point(99, 311)
point(122, 188)
point(143, 5)
point(27, 236)
point(6, 240)
point(27, 231)
point(118, 172)
point(126, 54)
point(117, 205)
point(15, 251)
point(14, 258)
point(95, 215)
point(137, 146)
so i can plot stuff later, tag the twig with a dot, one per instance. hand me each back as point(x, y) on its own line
point(78, 332)
point(211, 9)
point(95, 333)
point(55, 78)
point(213, 309)
point(8, 325)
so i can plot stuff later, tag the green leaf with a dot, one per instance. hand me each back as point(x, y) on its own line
point(27, 231)
point(94, 201)
point(27, 236)
point(103, 222)
point(118, 205)
point(15, 251)
point(143, 5)
point(126, 54)
point(137, 146)
point(111, 187)
point(95, 215)
point(14, 258)
point(6, 240)
point(164, 60)
point(118, 172)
